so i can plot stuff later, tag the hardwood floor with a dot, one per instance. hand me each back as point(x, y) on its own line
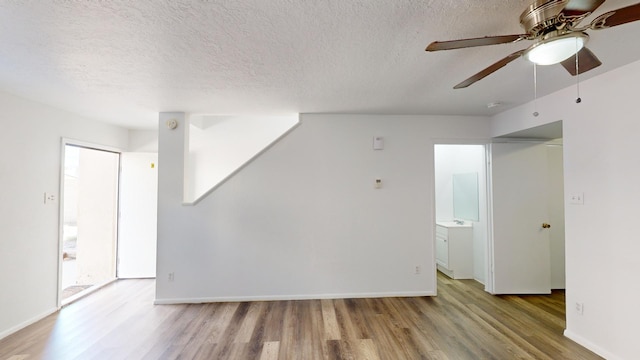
point(462, 322)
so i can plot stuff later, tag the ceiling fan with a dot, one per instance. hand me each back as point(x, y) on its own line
point(553, 25)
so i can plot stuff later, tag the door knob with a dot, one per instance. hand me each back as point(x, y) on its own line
point(545, 226)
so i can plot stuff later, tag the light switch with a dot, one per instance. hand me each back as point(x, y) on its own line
point(377, 184)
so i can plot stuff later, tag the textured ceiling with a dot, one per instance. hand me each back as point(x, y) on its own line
point(125, 61)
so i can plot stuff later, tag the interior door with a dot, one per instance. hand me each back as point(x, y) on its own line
point(521, 249)
point(89, 219)
point(138, 215)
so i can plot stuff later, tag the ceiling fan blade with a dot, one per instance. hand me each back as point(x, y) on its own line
point(491, 69)
point(586, 61)
point(617, 17)
point(465, 43)
point(579, 7)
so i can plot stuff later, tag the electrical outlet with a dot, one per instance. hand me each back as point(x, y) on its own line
point(580, 308)
point(171, 276)
point(49, 197)
point(417, 270)
point(576, 199)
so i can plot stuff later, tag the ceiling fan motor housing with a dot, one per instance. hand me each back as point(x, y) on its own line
point(542, 16)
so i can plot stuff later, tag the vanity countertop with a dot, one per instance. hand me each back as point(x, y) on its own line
point(452, 224)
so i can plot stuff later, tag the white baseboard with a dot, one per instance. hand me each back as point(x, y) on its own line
point(170, 301)
point(591, 346)
point(24, 324)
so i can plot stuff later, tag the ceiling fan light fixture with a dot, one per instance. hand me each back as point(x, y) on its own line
point(556, 49)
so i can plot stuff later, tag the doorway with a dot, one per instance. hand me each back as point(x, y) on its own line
point(461, 210)
point(89, 219)
point(527, 201)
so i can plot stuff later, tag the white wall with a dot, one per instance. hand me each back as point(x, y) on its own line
point(220, 145)
point(460, 159)
point(29, 166)
point(304, 220)
point(600, 137)
point(143, 141)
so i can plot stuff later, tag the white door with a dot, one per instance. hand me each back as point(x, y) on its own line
point(138, 215)
point(521, 255)
point(89, 217)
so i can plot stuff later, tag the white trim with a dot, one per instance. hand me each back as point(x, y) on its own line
point(27, 323)
point(461, 141)
point(526, 141)
point(489, 285)
point(63, 143)
point(89, 145)
point(589, 345)
point(290, 297)
point(433, 218)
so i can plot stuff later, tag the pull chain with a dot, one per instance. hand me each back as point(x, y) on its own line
point(535, 90)
point(578, 99)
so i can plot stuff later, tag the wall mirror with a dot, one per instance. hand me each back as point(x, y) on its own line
point(465, 196)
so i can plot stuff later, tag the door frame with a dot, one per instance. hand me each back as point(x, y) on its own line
point(489, 223)
point(88, 145)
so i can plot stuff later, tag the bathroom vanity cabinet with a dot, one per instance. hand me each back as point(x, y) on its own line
point(454, 249)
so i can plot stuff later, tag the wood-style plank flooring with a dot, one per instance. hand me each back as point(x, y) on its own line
point(462, 322)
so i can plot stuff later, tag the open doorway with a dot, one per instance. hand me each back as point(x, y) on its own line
point(461, 210)
point(89, 220)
